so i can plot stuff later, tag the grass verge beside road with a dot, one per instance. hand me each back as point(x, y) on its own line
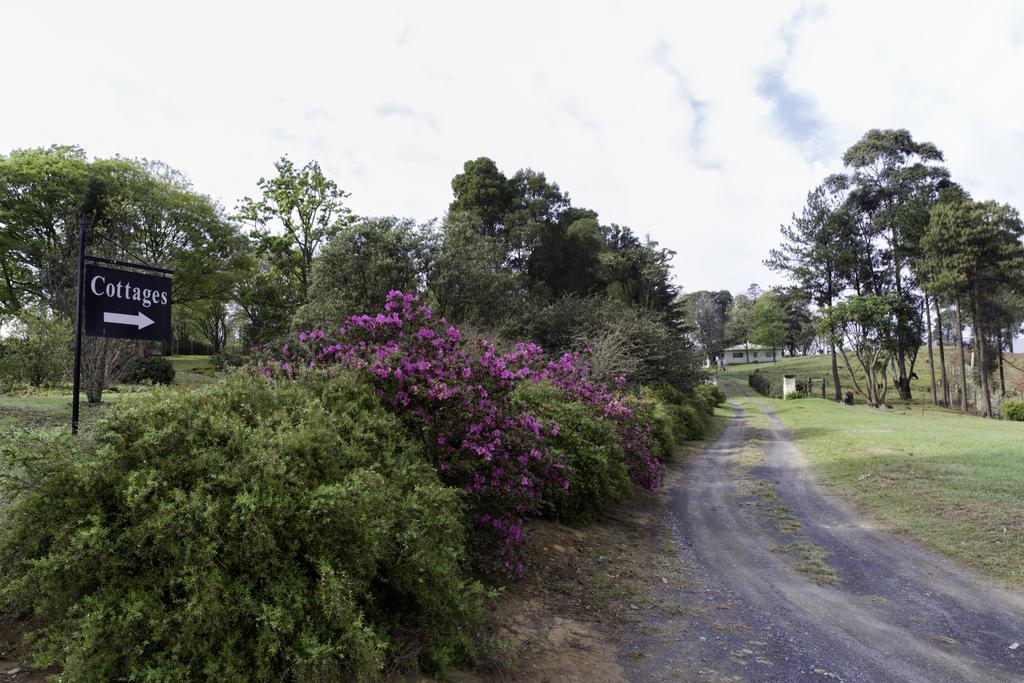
point(817, 367)
point(951, 482)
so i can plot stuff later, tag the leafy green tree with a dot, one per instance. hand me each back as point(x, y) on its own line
point(297, 212)
point(739, 325)
point(801, 328)
point(769, 322)
point(556, 248)
point(639, 272)
point(38, 349)
point(266, 307)
point(485, 192)
point(362, 263)
point(135, 210)
point(817, 253)
point(213, 320)
point(705, 314)
point(468, 281)
point(567, 260)
point(41, 194)
point(864, 326)
point(892, 182)
point(974, 253)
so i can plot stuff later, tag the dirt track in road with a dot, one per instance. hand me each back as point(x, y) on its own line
point(789, 584)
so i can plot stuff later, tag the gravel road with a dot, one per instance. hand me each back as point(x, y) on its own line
point(845, 602)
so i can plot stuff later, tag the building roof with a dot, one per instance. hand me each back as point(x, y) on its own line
point(749, 347)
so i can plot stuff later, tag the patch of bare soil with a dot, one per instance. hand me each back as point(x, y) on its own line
point(588, 591)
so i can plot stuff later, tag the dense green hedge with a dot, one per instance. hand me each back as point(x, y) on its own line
point(588, 444)
point(761, 385)
point(1013, 409)
point(690, 415)
point(711, 393)
point(152, 369)
point(252, 530)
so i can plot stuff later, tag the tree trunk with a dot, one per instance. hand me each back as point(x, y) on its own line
point(835, 374)
point(963, 360)
point(1002, 377)
point(942, 356)
point(931, 357)
point(979, 335)
point(902, 381)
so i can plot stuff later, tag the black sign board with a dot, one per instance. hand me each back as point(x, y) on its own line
point(121, 303)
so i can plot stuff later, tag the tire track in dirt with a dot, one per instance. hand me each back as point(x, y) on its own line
point(897, 612)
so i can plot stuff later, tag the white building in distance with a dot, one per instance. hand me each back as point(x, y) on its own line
point(750, 353)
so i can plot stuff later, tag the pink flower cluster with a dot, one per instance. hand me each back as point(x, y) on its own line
point(457, 399)
point(571, 373)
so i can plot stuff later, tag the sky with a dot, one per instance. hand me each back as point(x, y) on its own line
point(703, 125)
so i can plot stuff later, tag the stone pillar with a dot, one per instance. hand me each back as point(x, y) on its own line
point(788, 385)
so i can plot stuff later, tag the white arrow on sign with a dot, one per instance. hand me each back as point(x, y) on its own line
point(140, 320)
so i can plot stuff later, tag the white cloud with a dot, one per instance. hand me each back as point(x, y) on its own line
point(703, 125)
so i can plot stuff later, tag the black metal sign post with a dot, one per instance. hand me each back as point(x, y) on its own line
point(78, 328)
point(117, 303)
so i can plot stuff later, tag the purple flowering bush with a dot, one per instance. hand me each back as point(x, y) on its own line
point(459, 398)
point(588, 445)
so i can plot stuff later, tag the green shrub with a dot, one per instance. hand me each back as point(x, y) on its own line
point(761, 385)
point(700, 402)
point(10, 370)
point(38, 353)
point(666, 393)
point(250, 530)
point(689, 422)
point(795, 395)
point(229, 358)
point(657, 350)
point(711, 393)
point(151, 369)
point(656, 415)
point(1013, 409)
point(588, 444)
point(689, 414)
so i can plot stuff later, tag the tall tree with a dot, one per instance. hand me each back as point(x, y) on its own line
point(817, 253)
point(361, 264)
point(468, 280)
point(567, 260)
point(739, 324)
point(801, 329)
point(975, 252)
point(297, 211)
point(705, 315)
point(135, 210)
point(639, 271)
point(557, 249)
point(41, 194)
point(893, 179)
point(769, 322)
point(864, 326)
point(483, 191)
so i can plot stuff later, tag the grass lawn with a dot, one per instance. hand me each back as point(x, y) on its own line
point(53, 408)
point(185, 369)
point(817, 367)
point(954, 483)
